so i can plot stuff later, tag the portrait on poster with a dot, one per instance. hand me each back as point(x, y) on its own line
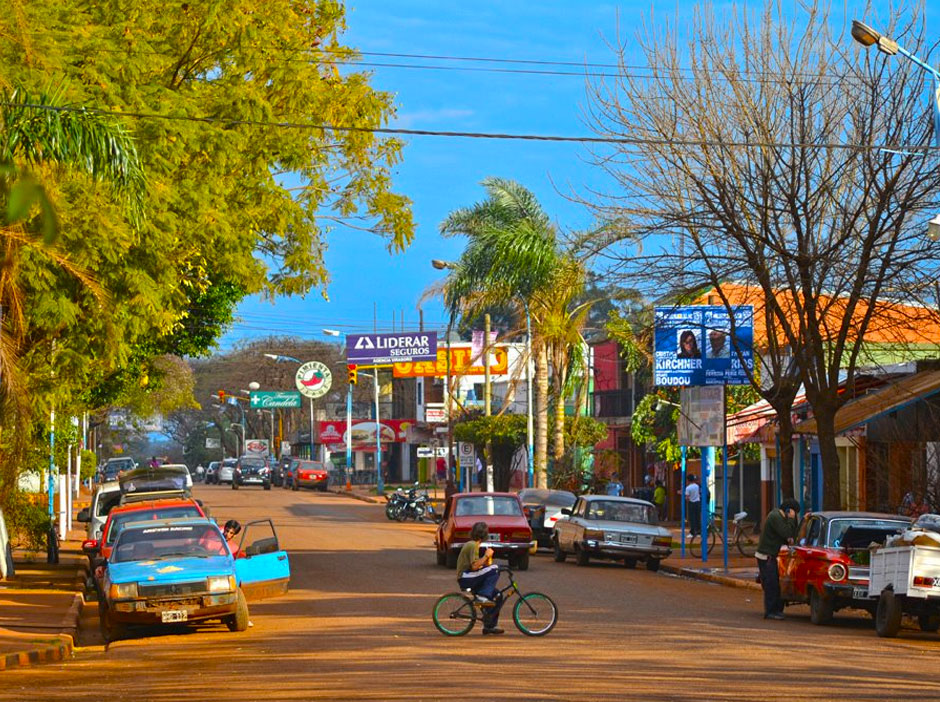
point(687, 345)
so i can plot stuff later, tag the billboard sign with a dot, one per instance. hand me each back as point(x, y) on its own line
point(257, 447)
point(363, 432)
point(702, 416)
point(372, 349)
point(462, 362)
point(694, 345)
point(313, 379)
point(274, 399)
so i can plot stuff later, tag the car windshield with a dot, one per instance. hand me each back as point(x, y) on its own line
point(309, 465)
point(106, 502)
point(552, 498)
point(171, 541)
point(838, 527)
point(613, 511)
point(488, 506)
point(253, 463)
point(118, 521)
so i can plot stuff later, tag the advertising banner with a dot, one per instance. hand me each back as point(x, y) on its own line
point(461, 363)
point(259, 447)
point(313, 379)
point(371, 349)
point(694, 345)
point(273, 399)
point(363, 432)
point(702, 416)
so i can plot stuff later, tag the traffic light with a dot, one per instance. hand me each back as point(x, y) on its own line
point(222, 397)
point(352, 374)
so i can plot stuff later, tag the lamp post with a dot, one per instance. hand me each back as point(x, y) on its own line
point(349, 386)
point(867, 36)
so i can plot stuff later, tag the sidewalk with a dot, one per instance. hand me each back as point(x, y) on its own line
point(41, 604)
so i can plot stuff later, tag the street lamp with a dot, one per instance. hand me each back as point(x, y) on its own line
point(867, 36)
point(334, 332)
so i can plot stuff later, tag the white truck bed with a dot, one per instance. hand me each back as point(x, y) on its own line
point(898, 566)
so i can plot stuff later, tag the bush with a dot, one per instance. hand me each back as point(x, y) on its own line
point(89, 464)
point(27, 521)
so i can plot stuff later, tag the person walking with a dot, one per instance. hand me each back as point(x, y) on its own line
point(659, 499)
point(779, 529)
point(693, 505)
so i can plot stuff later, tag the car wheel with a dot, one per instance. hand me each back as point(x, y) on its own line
point(521, 562)
point(928, 622)
point(581, 557)
point(234, 485)
point(441, 557)
point(450, 560)
point(652, 564)
point(267, 486)
point(560, 555)
point(110, 629)
point(888, 616)
point(820, 607)
point(629, 563)
point(239, 620)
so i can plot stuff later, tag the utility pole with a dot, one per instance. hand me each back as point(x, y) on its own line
point(487, 399)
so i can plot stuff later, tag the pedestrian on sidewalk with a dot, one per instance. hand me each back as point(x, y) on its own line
point(659, 499)
point(779, 530)
point(693, 505)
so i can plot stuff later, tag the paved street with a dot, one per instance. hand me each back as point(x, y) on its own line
point(357, 625)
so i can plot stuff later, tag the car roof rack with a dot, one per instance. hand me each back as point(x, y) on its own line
point(130, 498)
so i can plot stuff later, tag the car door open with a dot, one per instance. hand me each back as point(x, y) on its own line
point(264, 571)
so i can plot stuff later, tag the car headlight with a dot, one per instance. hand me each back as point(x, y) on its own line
point(837, 572)
point(122, 591)
point(221, 583)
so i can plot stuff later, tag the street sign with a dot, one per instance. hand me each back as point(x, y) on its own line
point(313, 379)
point(212, 443)
point(371, 349)
point(695, 345)
point(257, 447)
point(425, 452)
point(274, 399)
point(435, 413)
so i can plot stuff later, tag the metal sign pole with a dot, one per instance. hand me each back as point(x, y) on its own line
point(724, 481)
point(682, 507)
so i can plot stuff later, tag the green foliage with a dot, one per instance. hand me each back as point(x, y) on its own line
point(581, 432)
point(504, 433)
point(27, 521)
point(89, 464)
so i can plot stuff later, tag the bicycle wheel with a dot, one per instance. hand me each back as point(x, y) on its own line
point(535, 614)
point(747, 540)
point(695, 544)
point(454, 614)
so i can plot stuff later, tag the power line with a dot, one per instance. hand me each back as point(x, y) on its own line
point(634, 141)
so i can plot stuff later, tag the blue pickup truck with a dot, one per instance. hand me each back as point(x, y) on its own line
point(181, 570)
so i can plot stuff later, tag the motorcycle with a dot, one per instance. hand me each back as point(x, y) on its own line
point(417, 507)
point(395, 503)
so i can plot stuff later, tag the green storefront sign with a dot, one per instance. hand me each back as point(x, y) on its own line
point(274, 399)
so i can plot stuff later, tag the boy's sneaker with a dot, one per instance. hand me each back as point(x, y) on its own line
point(485, 601)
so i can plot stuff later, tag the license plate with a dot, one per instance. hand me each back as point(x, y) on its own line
point(628, 538)
point(859, 593)
point(493, 537)
point(174, 615)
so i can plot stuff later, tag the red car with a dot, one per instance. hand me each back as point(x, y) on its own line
point(510, 533)
point(311, 474)
point(828, 565)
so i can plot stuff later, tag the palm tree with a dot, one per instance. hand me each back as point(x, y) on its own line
point(36, 131)
point(511, 255)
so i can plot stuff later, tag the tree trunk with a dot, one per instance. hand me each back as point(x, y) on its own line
point(541, 416)
point(826, 434)
point(785, 433)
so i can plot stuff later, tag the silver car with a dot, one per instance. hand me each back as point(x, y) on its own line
point(613, 528)
point(106, 496)
point(226, 471)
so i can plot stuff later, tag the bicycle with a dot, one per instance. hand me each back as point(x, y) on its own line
point(743, 534)
point(534, 614)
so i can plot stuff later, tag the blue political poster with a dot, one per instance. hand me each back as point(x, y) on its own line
point(696, 345)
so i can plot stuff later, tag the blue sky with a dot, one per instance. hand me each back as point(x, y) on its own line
point(441, 174)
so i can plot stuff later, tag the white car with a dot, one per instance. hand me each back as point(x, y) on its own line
point(226, 471)
point(94, 516)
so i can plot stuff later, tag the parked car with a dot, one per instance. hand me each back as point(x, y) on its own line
point(252, 470)
point(212, 472)
point(828, 566)
point(180, 571)
point(114, 467)
point(510, 533)
point(226, 471)
point(309, 474)
point(542, 508)
point(106, 496)
point(612, 528)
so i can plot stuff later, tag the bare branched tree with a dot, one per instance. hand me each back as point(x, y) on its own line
point(774, 153)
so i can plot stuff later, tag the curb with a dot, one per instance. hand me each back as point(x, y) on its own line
point(355, 496)
point(52, 653)
point(709, 577)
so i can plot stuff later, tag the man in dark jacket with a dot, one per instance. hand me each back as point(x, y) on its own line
point(779, 530)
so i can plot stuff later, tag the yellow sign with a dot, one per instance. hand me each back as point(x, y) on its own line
point(460, 364)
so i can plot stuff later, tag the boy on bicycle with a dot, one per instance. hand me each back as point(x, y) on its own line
point(479, 575)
